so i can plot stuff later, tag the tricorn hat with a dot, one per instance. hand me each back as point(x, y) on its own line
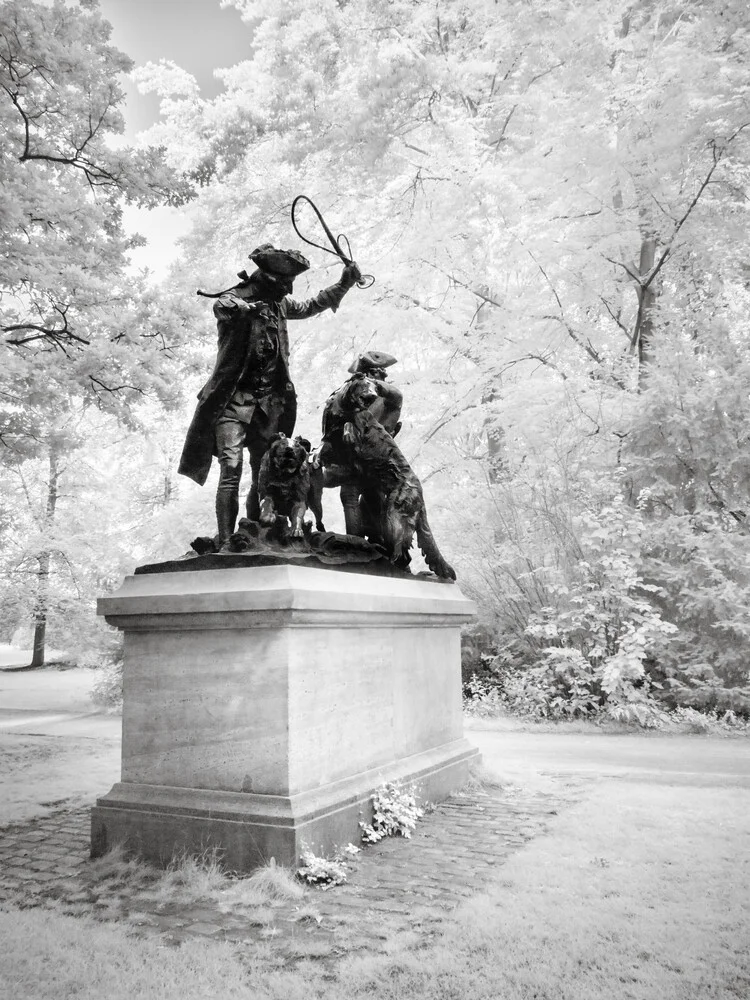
point(279, 263)
point(371, 359)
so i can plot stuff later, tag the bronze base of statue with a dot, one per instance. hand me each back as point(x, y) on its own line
point(255, 544)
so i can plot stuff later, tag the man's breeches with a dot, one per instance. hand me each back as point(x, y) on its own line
point(231, 435)
point(248, 426)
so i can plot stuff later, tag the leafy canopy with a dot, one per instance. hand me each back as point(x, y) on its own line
point(76, 327)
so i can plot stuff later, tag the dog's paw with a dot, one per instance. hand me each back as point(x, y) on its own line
point(267, 517)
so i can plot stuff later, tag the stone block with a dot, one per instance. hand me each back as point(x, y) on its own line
point(262, 706)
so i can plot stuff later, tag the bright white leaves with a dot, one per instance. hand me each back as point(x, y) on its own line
point(74, 324)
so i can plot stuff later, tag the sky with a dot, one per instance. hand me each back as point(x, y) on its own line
point(200, 37)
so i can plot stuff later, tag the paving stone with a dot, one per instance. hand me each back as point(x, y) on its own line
point(240, 934)
point(50, 853)
point(143, 919)
point(23, 875)
point(400, 885)
point(45, 876)
point(37, 865)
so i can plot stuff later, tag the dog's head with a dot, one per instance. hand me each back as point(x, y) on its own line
point(359, 392)
point(287, 457)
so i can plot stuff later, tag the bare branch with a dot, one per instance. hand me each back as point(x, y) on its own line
point(545, 72)
point(496, 143)
point(114, 388)
point(462, 284)
point(615, 316)
point(717, 155)
point(618, 263)
point(42, 332)
point(587, 347)
point(578, 215)
point(450, 413)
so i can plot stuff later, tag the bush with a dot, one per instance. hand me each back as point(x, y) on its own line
point(478, 651)
point(484, 697)
point(395, 813)
point(590, 648)
point(322, 872)
point(107, 690)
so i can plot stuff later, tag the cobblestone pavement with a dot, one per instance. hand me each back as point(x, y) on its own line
point(397, 886)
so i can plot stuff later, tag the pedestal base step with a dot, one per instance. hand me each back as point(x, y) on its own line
point(158, 822)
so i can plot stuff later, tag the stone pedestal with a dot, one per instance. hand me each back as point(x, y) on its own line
point(262, 706)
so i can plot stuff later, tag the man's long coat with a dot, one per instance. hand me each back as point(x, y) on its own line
point(237, 328)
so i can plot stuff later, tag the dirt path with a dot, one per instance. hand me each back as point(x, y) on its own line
point(47, 689)
point(55, 751)
point(533, 757)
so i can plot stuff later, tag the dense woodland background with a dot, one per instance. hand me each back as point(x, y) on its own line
point(553, 197)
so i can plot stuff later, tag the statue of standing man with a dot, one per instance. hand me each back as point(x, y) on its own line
point(250, 396)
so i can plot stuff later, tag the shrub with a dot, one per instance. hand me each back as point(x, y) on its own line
point(395, 813)
point(478, 650)
point(483, 697)
point(326, 872)
point(107, 690)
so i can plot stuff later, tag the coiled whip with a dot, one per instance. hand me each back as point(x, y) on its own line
point(341, 246)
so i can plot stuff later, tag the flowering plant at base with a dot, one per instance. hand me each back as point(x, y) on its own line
point(326, 872)
point(395, 813)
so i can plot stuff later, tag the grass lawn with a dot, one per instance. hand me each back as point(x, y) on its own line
point(640, 891)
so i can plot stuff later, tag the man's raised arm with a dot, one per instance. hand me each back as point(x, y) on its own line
point(328, 298)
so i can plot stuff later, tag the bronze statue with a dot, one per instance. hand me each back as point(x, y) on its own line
point(250, 395)
point(391, 504)
point(386, 408)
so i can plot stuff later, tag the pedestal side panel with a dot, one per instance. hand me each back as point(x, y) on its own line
point(207, 709)
point(364, 697)
point(341, 711)
point(427, 709)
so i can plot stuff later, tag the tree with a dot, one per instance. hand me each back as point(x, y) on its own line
point(550, 202)
point(74, 521)
point(79, 329)
point(532, 169)
point(75, 323)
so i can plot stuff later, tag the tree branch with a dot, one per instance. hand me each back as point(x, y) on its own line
point(592, 353)
point(718, 155)
point(114, 388)
point(42, 333)
point(615, 316)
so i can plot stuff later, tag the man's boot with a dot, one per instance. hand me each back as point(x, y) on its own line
point(252, 503)
point(352, 518)
point(227, 502)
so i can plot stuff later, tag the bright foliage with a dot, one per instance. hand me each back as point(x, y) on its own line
point(553, 202)
point(77, 329)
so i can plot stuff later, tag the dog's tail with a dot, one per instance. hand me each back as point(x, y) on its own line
point(430, 551)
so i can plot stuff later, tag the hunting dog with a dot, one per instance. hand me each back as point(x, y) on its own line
point(288, 485)
point(391, 501)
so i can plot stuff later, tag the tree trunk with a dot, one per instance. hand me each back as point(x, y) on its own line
point(496, 453)
point(647, 297)
point(43, 559)
point(495, 433)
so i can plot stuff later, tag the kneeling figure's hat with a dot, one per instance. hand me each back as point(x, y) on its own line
point(372, 359)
